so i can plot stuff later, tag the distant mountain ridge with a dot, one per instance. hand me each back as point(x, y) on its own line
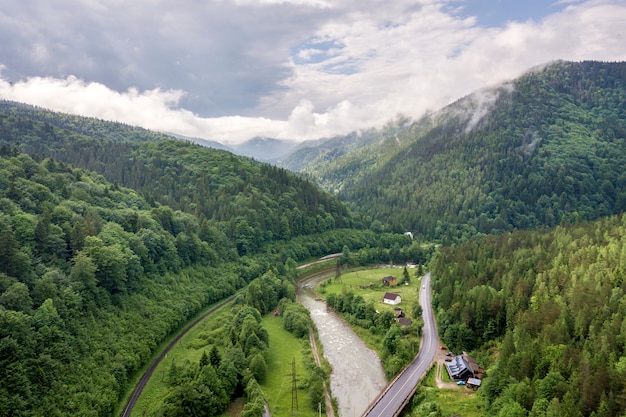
point(547, 147)
point(265, 149)
point(260, 148)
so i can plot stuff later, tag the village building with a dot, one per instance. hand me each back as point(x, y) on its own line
point(392, 298)
point(473, 383)
point(477, 371)
point(458, 368)
point(389, 281)
point(463, 367)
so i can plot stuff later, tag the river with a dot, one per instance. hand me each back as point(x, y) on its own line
point(357, 376)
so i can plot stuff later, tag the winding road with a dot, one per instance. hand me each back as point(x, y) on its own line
point(399, 392)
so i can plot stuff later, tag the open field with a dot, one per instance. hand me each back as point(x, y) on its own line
point(461, 401)
point(372, 279)
point(284, 347)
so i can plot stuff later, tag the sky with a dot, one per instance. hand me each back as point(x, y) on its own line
point(230, 70)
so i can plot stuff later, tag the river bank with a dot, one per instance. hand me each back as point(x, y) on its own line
point(357, 375)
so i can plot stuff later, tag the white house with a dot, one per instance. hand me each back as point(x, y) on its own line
point(392, 298)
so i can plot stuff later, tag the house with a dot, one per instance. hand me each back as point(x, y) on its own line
point(398, 312)
point(473, 365)
point(392, 298)
point(389, 281)
point(458, 368)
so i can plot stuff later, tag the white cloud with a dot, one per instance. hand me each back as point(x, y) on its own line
point(297, 69)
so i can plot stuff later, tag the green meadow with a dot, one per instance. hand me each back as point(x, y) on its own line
point(459, 401)
point(368, 284)
point(277, 387)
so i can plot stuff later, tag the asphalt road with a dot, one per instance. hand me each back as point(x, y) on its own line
point(399, 392)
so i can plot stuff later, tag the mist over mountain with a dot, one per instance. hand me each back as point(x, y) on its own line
point(265, 149)
point(135, 226)
point(545, 148)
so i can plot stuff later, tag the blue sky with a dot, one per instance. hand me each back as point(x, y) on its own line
point(229, 70)
point(494, 13)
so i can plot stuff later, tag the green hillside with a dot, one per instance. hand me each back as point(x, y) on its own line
point(97, 270)
point(90, 283)
point(545, 148)
point(545, 313)
point(93, 277)
point(253, 203)
point(87, 126)
point(342, 161)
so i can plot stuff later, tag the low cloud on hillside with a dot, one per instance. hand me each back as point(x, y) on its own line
point(299, 69)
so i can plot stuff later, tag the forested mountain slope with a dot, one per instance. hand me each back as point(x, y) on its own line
point(547, 147)
point(545, 312)
point(253, 203)
point(88, 126)
point(93, 277)
point(90, 283)
point(342, 161)
point(95, 272)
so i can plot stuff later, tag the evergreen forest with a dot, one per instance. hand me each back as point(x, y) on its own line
point(112, 238)
point(94, 276)
point(547, 147)
point(546, 311)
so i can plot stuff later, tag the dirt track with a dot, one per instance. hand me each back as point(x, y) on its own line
point(330, 412)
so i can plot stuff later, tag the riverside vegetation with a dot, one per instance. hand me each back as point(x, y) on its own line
point(111, 242)
point(93, 277)
point(357, 297)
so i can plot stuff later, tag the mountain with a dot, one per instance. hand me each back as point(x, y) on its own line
point(265, 149)
point(342, 159)
point(87, 126)
point(203, 142)
point(258, 202)
point(108, 246)
point(545, 313)
point(539, 150)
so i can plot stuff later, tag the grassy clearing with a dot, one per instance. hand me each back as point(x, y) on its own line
point(457, 401)
point(372, 279)
point(190, 348)
point(462, 402)
point(284, 347)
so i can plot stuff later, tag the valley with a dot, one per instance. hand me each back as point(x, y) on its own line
point(112, 238)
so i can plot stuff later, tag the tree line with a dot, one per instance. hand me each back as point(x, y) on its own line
point(550, 148)
point(544, 312)
point(93, 276)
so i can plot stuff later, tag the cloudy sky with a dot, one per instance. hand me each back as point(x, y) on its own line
point(229, 70)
